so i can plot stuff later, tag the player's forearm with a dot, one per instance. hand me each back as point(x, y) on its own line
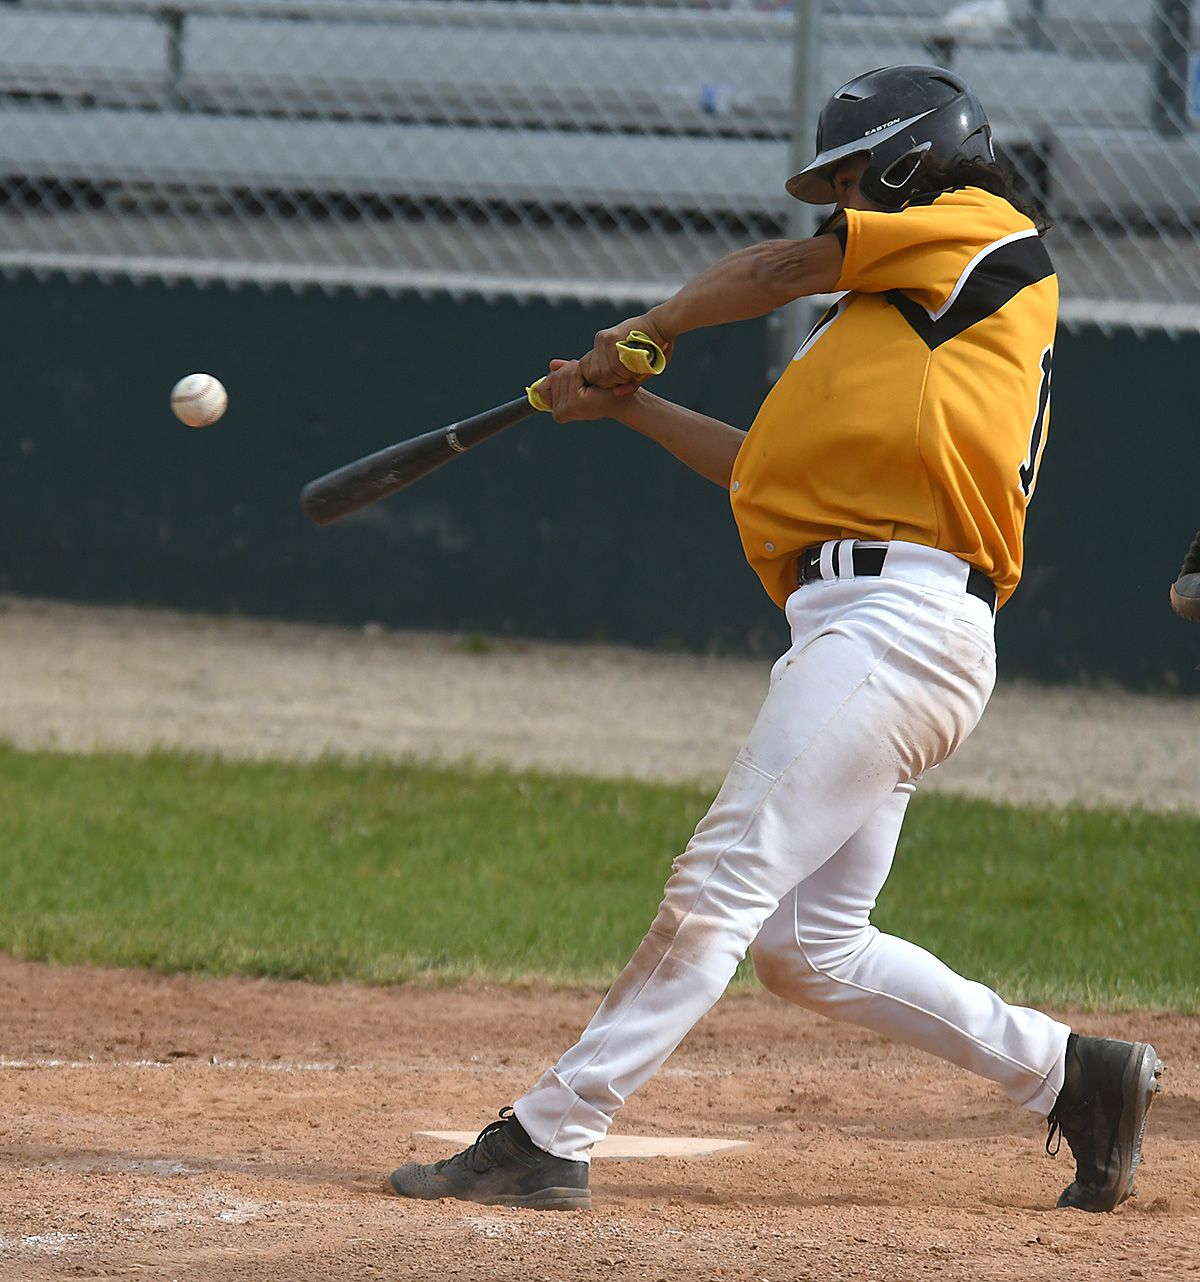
point(707, 445)
point(751, 282)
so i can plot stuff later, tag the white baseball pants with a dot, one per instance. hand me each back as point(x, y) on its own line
point(884, 678)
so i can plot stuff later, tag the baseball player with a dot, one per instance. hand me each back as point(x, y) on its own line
point(880, 495)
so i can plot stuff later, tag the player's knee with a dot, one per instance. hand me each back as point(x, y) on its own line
point(799, 968)
point(834, 956)
point(780, 969)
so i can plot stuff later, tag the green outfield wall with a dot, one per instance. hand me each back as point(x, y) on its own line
point(583, 532)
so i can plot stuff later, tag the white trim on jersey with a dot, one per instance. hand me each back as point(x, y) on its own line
point(839, 309)
point(970, 267)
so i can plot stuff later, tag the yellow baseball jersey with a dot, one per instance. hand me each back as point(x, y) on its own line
point(918, 406)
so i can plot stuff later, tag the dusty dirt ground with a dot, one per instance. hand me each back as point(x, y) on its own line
point(164, 1128)
point(184, 1128)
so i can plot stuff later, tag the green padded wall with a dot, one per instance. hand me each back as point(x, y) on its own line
point(573, 532)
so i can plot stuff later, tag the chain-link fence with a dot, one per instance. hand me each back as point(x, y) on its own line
point(576, 150)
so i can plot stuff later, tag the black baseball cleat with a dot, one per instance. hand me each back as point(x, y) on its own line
point(1101, 1111)
point(504, 1167)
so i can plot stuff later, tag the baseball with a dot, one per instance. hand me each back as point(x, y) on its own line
point(198, 400)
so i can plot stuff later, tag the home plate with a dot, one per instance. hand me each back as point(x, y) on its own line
point(623, 1147)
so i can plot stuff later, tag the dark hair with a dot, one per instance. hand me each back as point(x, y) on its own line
point(999, 177)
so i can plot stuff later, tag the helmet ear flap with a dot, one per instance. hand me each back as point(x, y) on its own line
point(979, 145)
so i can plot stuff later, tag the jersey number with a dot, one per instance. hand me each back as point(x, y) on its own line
point(1037, 436)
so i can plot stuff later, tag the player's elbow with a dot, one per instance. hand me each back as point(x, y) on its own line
point(787, 269)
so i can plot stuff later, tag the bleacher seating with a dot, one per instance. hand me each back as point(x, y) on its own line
point(689, 111)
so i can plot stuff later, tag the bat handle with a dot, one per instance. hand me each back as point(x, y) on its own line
point(639, 353)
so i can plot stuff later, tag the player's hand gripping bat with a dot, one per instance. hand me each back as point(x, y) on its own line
point(367, 480)
point(1185, 591)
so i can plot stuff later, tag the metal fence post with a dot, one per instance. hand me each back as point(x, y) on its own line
point(1035, 26)
point(1170, 51)
point(173, 21)
point(794, 321)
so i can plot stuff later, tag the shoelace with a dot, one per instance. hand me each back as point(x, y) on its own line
point(1054, 1120)
point(1054, 1132)
point(481, 1149)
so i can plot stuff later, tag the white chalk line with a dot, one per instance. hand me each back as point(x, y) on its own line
point(210, 1206)
point(260, 1066)
point(38, 1244)
point(498, 1228)
point(291, 1066)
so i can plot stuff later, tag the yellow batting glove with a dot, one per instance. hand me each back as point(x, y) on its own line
point(535, 398)
point(639, 353)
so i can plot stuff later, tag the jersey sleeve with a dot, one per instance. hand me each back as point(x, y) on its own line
point(923, 248)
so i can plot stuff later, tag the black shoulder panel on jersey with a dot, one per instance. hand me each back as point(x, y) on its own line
point(826, 318)
point(995, 279)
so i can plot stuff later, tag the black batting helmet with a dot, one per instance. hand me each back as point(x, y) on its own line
point(911, 121)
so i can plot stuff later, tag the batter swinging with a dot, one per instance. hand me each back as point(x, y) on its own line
point(880, 495)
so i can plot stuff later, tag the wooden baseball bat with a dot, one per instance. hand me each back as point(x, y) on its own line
point(367, 480)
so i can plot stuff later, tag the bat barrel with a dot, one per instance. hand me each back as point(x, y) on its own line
point(347, 489)
point(356, 485)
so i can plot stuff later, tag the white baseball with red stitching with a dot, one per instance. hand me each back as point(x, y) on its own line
point(198, 400)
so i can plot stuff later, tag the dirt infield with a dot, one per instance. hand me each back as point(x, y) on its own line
point(182, 1128)
point(177, 1128)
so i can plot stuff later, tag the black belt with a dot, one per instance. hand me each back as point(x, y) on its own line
point(869, 562)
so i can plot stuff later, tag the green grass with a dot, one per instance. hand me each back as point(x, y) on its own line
point(386, 873)
point(1054, 907)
